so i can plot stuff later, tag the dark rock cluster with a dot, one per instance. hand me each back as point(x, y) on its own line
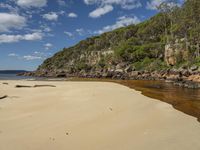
point(184, 77)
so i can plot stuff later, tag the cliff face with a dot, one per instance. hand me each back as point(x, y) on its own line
point(176, 53)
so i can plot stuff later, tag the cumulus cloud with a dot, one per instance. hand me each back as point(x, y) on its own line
point(9, 7)
point(69, 34)
point(48, 46)
point(61, 2)
point(72, 15)
point(153, 4)
point(13, 55)
point(101, 11)
point(30, 57)
point(32, 3)
point(80, 31)
point(121, 22)
point(11, 21)
point(52, 16)
point(36, 56)
point(4, 38)
point(124, 4)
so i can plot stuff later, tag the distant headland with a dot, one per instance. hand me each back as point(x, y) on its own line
point(12, 71)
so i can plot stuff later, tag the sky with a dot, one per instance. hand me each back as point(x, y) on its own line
point(33, 30)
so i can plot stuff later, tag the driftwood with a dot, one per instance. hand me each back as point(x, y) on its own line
point(23, 86)
point(2, 97)
point(44, 86)
point(35, 86)
point(5, 83)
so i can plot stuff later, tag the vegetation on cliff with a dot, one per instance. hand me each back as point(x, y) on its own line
point(169, 39)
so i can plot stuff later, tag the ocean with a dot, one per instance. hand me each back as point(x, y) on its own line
point(12, 77)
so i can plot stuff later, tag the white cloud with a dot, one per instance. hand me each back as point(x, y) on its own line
point(4, 38)
point(11, 21)
point(9, 7)
point(121, 22)
point(101, 11)
point(80, 31)
point(153, 4)
point(36, 56)
point(45, 28)
point(32, 3)
point(69, 34)
point(48, 46)
point(72, 15)
point(33, 36)
point(61, 2)
point(13, 55)
point(61, 12)
point(30, 57)
point(52, 16)
point(125, 4)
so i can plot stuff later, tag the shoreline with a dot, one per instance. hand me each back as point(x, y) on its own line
point(90, 115)
point(149, 88)
point(186, 78)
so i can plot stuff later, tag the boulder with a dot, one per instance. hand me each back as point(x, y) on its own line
point(121, 65)
point(135, 73)
point(194, 68)
point(129, 69)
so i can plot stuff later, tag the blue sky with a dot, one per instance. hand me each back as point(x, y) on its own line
point(33, 30)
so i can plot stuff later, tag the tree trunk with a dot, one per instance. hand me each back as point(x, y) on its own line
point(186, 42)
point(198, 50)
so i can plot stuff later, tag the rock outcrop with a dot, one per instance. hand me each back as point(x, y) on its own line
point(176, 53)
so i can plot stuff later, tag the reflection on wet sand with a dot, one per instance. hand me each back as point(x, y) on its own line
point(182, 99)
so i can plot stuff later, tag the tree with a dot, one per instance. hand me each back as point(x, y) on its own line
point(191, 21)
point(168, 10)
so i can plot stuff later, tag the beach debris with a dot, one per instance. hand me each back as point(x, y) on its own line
point(35, 86)
point(2, 97)
point(5, 83)
point(67, 133)
point(110, 109)
point(23, 86)
point(44, 86)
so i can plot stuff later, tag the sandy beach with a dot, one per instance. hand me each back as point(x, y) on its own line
point(90, 116)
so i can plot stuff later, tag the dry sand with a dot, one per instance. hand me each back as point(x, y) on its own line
point(90, 116)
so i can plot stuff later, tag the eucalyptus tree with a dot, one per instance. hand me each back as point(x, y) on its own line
point(168, 10)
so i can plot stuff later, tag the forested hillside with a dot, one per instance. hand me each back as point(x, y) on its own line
point(169, 40)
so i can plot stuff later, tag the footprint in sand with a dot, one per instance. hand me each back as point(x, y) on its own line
point(110, 109)
point(52, 139)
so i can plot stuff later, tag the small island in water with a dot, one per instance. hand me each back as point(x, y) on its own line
point(132, 86)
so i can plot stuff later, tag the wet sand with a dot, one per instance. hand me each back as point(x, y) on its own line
point(90, 116)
